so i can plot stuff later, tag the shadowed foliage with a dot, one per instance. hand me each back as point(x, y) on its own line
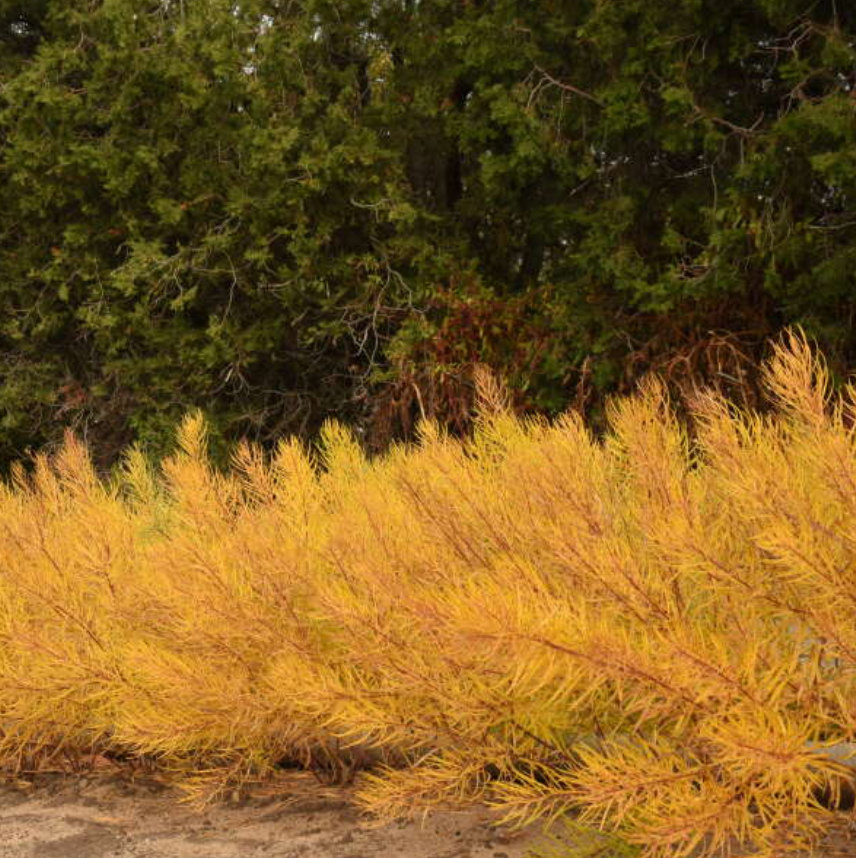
point(282, 212)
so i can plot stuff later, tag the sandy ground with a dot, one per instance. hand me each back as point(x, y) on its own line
point(85, 817)
point(112, 817)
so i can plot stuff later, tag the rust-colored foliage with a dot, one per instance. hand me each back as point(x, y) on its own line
point(435, 380)
point(654, 634)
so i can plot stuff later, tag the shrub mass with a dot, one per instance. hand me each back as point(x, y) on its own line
point(286, 211)
point(641, 632)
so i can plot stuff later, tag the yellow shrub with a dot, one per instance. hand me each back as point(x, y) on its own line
point(654, 632)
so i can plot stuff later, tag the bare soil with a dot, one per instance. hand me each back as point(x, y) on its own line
point(101, 816)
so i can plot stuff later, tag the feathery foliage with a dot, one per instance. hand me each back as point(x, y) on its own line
point(645, 634)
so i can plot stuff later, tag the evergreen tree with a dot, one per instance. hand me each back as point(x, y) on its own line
point(285, 211)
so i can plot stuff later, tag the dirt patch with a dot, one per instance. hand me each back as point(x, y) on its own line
point(101, 817)
point(114, 817)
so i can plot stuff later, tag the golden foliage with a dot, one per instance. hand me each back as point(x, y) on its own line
point(654, 633)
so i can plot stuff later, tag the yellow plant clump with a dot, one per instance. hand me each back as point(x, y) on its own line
point(652, 633)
